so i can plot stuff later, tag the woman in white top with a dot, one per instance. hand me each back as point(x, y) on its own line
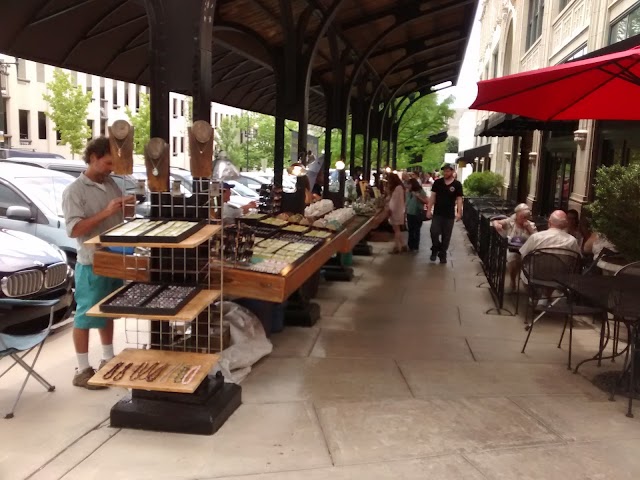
point(397, 212)
point(517, 228)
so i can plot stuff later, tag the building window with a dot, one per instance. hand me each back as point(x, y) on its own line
point(74, 78)
point(175, 108)
point(103, 127)
point(39, 72)
point(21, 68)
point(534, 25)
point(58, 137)
point(181, 144)
point(102, 91)
point(90, 125)
point(215, 121)
point(562, 4)
point(174, 145)
point(182, 108)
point(89, 83)
point(626, 26)
point(115, 95)
point(23, 116)
point(126, 93)
point(42, 126)
point(137, 97)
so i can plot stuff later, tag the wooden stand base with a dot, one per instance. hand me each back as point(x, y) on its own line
point(200, 413)
point(338, 273)
point(363, 249)
point(302, 316)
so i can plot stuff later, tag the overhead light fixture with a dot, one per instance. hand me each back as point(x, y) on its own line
point(442, 86)
point(340, 165)
point(388, 169)
point(297, 170)
point(395, 172)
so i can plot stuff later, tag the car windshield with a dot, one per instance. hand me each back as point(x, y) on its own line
point(47, 191)
point(241, 190)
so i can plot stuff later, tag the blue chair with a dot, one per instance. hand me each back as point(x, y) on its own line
point(13, 345)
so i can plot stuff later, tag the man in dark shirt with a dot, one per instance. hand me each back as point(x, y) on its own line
point(446, 195)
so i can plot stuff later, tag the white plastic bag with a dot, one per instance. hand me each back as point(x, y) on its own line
point(248, 343)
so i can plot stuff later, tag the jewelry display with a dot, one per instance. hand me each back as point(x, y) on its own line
point(121, 146)
point(153, 375)
point(122, 372)
point(190, 375)
point(134, 375)
point(181, 373)
point(201, 147)
point(113, 370)
point(156, 155)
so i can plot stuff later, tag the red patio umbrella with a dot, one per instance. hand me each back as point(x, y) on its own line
point(602, 88)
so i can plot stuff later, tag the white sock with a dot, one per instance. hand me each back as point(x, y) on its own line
point(107, 352)
point(83, 361)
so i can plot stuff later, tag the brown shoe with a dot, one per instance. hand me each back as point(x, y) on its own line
point(81, 379)
point(102, 364)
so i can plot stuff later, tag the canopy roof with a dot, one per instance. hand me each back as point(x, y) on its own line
point(406, 44)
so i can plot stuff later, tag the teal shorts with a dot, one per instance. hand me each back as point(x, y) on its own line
point(90, 289)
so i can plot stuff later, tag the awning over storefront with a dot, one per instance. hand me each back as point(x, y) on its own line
point(508, 125)
point(471, 154)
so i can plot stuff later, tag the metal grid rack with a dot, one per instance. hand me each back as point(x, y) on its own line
point(205, 333)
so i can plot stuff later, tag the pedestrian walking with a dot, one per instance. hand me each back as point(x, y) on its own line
point(445, 207)
point(92, 204)
point(415, 201)
point(397, 210)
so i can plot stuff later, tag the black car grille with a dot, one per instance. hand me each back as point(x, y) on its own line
point(30, 282)
point(55, 275)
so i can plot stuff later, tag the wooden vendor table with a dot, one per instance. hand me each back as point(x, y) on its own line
point(357, 230)
point(278, 288)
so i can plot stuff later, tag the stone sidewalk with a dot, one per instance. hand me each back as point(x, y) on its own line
point(404, 377)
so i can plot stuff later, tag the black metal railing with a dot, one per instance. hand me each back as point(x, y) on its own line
point(496, 266)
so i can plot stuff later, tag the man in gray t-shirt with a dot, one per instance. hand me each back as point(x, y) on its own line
point(92, 204)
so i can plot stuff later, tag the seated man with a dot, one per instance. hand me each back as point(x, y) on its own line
point(554, 237)
point(231, 212)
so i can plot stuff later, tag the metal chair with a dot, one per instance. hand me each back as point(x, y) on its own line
point(18, 347)
point(625, 308)
point(541, 268)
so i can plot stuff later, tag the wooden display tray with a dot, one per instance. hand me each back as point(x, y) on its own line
point(198, 238)
point(190, 311)
point(357, 234)
point(135, 356)
point(117, 265)
point(277, 288)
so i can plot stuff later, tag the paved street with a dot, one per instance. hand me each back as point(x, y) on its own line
point(404, 377)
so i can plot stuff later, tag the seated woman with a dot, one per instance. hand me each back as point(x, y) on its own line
point(574, 229)
point(517, 228)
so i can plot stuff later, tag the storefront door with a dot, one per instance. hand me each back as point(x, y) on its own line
point(558, 169)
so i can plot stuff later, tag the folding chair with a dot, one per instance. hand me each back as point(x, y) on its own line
point(12, 345)
point(541, 268)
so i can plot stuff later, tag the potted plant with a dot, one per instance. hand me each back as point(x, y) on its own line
point(616, 208)
point(483, 184)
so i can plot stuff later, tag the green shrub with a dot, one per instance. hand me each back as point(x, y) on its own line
point(616, 209)
point(483, 184)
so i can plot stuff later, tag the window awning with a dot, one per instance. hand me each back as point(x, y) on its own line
point(471, 154)
point(508, 125)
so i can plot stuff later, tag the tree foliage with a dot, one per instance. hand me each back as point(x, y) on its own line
point(617, 189)
point(141, 121)
point(453, 145)
point(228, 138)
point(425, 117)
point(68, 104)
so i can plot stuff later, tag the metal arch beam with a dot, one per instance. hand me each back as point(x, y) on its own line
point(235, 27)
point(86, 32)
point(126, 48)
point(303, 22)
point(59, 12)
point(267, 10)
point(408, 18)
point(241, 75)
point(409, 46)
point(235, 68)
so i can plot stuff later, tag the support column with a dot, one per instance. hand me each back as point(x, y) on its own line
point(278, 151)
point(582, 176)
point(327, 162)
point(523, 177)
point(352, 153)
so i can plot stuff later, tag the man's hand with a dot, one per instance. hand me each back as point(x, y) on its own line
point(458, 216)
point(429, 215)
point(249, 206)
point(114, 206)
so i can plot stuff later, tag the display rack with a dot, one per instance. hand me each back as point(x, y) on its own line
point(191, 336)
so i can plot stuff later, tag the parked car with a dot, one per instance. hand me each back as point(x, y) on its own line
point(18, 152)
point(31, 202)
point(32, 269)
point(252, 182)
